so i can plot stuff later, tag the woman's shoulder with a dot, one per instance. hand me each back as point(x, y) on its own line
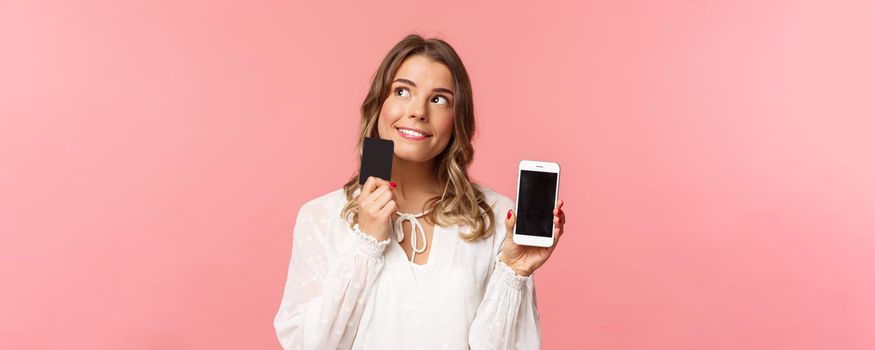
point(500, 204)
point(331, 202)
point(493, 198)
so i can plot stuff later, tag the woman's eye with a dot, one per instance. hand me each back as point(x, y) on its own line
point(440, 100)
point(402, 92)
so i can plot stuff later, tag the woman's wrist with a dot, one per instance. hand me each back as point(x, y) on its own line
point(505, 275)
point(520, 272)
point(371, 232)
point(369, 244)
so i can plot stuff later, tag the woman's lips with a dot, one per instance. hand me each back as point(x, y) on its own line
point(411, 135)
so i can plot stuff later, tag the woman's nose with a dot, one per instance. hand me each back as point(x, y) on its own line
point(418, 111)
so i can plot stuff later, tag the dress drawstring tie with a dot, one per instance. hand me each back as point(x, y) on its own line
point(416, 229)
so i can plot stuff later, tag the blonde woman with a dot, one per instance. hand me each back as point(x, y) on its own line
point(424, 261)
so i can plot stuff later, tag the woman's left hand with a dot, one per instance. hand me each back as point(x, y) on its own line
point(526, 259)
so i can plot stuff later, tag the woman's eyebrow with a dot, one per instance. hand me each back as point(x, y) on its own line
point(444, 90)
point(405, 81)
point(411, 83)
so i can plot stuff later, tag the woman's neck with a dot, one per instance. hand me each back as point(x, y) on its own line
point(417, 182)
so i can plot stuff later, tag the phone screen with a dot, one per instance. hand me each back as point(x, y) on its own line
point(537, 198)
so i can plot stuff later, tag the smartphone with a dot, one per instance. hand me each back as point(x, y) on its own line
point(536, 196)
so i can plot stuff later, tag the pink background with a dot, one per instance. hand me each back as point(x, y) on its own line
point(718, 162)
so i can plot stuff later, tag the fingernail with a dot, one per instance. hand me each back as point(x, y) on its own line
point(508, 214)
point(392, 184)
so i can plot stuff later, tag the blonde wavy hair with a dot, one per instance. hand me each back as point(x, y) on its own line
point(461, 203)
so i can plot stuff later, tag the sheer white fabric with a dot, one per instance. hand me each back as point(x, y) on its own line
point(345, 290)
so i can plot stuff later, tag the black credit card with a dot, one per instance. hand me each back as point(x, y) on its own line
point(376, 159)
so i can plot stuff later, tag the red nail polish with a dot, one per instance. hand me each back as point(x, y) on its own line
point(508, 214)
point(392, 184)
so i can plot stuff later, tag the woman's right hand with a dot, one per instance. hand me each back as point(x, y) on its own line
point(376, 204)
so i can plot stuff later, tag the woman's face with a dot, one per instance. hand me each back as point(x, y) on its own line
point(418, 114)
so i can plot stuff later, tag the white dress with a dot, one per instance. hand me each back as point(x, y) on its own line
point(345, 290)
